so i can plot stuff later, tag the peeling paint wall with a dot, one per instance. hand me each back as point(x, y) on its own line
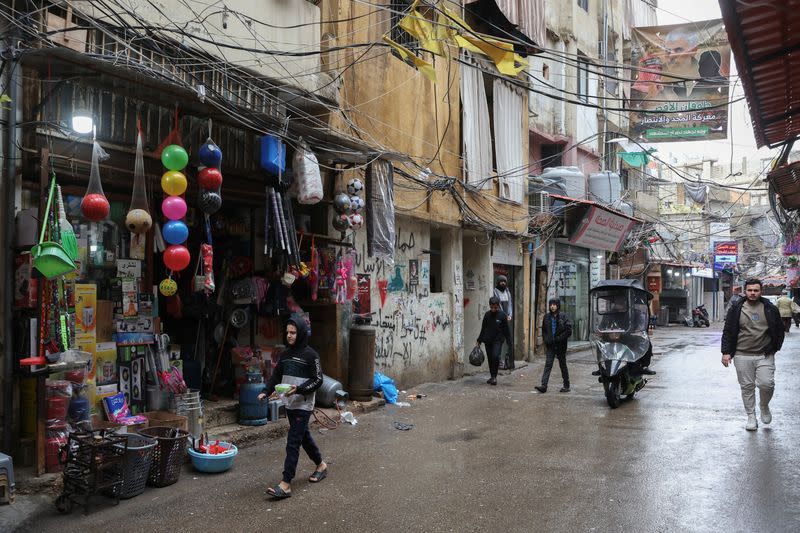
point(414, 328)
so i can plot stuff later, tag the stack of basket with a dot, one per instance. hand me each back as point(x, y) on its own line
point(190, 405)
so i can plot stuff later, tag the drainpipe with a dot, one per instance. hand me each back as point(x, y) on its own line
point(8, 235)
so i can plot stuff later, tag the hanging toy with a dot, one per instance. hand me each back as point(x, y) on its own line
point(355, 186)
point(175, 232)
point(210, 178)
point(138, 219)
point(168, 287)
point(174, 157)
point(341, 222)
point(95, 206)
point(210, 202)
point(341, 203)
point(356, 204)
point(340, 285)
point(207, 253)
point(177, 257)
point(174, 207)
point(210, 154)
point(356, 221)
point(173, 182)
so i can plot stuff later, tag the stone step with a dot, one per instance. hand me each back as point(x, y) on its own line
point(220, 413)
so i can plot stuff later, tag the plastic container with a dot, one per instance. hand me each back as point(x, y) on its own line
point(205, 462)
point(168, 455)
point(78, 409)
point(273, 154)
point(57, 407)
point(573, 179)
point(252, 411)
point(605, 187)
point(138, 460)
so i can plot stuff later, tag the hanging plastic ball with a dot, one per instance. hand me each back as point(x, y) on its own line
point(356, 221)
point(177, 257)
point(173, 182)
point(174, 157)
point(356, 204)
point(95, 207)
point(210, 202)
point(175, 232)
point(355, 186)
point(173, 207)
point(138, 221)
point(168, 287)
point(210, 178)
point(341, 203)
point(341, 223)
point(210, 154)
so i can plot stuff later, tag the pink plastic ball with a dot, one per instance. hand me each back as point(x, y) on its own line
point(173, 207)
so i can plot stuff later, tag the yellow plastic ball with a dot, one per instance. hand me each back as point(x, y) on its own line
point(173, 183)
point(168, 287)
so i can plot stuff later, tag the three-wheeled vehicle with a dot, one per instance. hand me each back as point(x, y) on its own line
point(619, 317)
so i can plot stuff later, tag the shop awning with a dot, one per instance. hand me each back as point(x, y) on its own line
point(511, 19)
point(786, 181)
point(766, 47)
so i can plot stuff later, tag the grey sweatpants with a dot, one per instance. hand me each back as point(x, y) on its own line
point(755, 371)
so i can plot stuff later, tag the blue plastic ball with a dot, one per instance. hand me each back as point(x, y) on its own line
point(175, 232)
point(210, 154)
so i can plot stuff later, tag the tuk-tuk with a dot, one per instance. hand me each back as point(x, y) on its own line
point(619, 318)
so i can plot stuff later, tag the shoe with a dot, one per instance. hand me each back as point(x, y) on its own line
point(491, 381)
point(766, 415)
point(648, 372)
point(564, 389)
point(752, 423)
point(596, 373)
point(541, 389)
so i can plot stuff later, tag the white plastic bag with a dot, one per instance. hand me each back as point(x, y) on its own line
point(307, 177)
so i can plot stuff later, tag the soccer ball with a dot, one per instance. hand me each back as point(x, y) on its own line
point(356, 221)
point(356, 204)
point(355, 186)
point(341, 203)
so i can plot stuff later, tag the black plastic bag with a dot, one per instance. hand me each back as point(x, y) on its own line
point(476, 356)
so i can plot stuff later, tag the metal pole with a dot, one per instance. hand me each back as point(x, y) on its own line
point(8, 235)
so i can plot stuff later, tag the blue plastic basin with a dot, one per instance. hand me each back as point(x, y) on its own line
point(205, 462)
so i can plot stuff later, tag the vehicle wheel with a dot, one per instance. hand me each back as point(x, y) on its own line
point(612, 392)
point(64, 504)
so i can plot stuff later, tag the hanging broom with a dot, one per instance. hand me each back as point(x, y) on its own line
point(68, 240)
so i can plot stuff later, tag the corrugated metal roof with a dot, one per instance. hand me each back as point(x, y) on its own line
point(786, 181)
point(766, 47)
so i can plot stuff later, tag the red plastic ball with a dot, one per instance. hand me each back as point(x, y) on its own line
point(177, 257)
point(210, 178)
point(95, 207)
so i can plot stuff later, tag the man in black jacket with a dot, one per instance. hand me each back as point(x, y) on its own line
point(754, 334)
point(494, 330)
point(556, 330)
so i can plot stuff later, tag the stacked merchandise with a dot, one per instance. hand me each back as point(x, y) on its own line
point(59, 393)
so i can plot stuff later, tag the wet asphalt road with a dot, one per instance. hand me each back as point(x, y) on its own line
point(677, 458)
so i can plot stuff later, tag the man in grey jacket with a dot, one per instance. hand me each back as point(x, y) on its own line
point(502, 293)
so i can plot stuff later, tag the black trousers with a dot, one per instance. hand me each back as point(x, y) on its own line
point(299, 435)
point(493, 351)
point(548, 366)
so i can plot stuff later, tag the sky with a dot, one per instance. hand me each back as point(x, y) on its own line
point(740, 131)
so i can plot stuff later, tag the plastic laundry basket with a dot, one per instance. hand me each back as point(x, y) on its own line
point(168, 455)
point(138, 459)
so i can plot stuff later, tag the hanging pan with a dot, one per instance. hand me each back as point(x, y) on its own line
point(49, 257)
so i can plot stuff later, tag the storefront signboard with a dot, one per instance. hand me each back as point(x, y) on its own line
point(602, 230)
point(702, 272)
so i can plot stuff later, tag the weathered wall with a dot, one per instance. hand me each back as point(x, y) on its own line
point(416, 331)
point(478, 286)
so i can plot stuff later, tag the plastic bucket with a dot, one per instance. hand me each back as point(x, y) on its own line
point(205, 462)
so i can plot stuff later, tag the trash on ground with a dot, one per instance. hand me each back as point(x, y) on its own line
point(402, 426)
point(386, 385)
point(348, 417)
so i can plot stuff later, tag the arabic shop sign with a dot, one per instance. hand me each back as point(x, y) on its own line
point(601, 230)
point(726, 248)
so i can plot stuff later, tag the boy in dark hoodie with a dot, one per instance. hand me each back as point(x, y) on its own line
point(556, 330)
point(494, 330)
point(299, 366)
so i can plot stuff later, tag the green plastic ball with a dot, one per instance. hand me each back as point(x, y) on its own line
point(174, 157)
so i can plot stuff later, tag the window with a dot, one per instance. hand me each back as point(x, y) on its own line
point(546, 72)
point(583, 79)
point(584, 4)
point(399, 9)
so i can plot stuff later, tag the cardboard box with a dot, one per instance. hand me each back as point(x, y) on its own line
point(105, 320)
point(106, 363)
point(166, 419)
point(86, 310)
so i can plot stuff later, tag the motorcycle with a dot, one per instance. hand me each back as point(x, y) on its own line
point(619, 316)
point(700, 317)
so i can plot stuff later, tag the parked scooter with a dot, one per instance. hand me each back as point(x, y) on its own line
point(700, 317)
point(619, 319)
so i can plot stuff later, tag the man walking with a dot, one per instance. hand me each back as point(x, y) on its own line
point(556, 330)
point(494, 330)
point(753, 333)
point(503, 295)
point(785, 309)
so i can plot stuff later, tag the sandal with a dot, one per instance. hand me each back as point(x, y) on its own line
point(278, 493)
point(318, 476)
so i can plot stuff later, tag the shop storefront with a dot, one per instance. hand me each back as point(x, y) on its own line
point(571, 283)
